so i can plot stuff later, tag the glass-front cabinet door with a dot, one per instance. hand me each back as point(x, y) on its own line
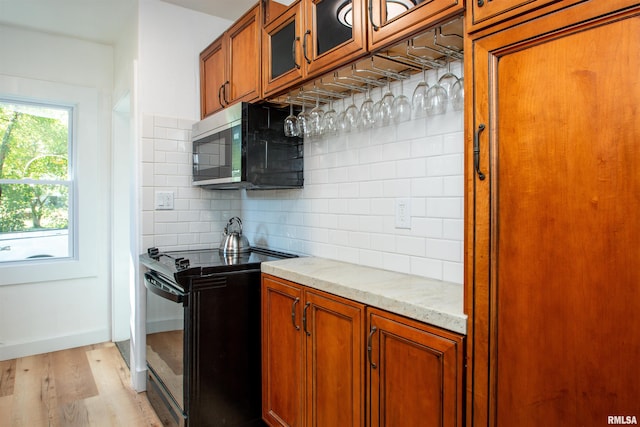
point(282, 50)
point(310, 37)
point(394, 20)
point(335, 33)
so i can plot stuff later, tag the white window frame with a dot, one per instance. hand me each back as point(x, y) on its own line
point(70, 182)
point(85, 208)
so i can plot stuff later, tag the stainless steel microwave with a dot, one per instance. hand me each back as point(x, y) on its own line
point(244, 146)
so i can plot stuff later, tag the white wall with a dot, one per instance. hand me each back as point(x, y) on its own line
point(346, 209)
point(170, 41)
point(51, 306)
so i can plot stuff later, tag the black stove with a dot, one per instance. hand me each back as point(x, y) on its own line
point(203, 336)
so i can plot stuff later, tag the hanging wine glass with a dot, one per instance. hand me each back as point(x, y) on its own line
point(303, 123)
point(352, 115)
point(436, 99)
point(386, 105)
point(367, 118)
point(315, 120)
point(457, 96)
point(342, 122)
point(401, 109)
point(447, 80)
point(419, 98)
point(330, 121)
point(377, 111)
point(291, 122)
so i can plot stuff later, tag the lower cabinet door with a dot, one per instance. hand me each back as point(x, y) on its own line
point(334, 330)
point(414, 373)
point(282, 354)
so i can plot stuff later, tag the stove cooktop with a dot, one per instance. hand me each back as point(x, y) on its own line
point(206, 261)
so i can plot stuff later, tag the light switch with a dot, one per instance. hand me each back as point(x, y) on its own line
point(403, 213)
point(164, 200)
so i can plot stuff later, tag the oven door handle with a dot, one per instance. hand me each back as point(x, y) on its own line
point(158, 287)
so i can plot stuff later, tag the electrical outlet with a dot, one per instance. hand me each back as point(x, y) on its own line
point(403, 213)
point(164, 200)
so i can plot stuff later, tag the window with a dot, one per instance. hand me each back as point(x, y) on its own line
point(36, 181)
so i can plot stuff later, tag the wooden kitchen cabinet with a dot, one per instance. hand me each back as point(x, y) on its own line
point(387, 25)
point(230, 67)
point(415, 373)
point(307, 40)
point(488, 13)
point(312, 357)
point(212, 78)
point(552, 185)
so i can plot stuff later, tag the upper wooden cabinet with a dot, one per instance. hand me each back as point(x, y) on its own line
point(552, 160)
point(392, 21)
point(310, 38)
point(230, 67)
point(212, 77)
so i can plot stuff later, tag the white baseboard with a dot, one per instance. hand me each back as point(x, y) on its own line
point(139, 380)
point(10, 351)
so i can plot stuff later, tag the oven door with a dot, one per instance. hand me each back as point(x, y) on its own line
point(166, 306)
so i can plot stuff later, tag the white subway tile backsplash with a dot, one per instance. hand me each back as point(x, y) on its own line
point(409, 245)
point(445, 207)
point(163, 144)
point(384, 170)
point(177, 134)
point(428, 227)
point(453, 272)
point(147, 151)
point(447, 250)
point(346, 209)
point(427, 187)
point(411, 168)
point(453, 185)
point(453, 229)
point(451, 164)
point(427, 267)
point(165, 169)
point(396, 262)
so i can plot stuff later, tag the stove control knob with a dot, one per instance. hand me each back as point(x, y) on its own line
point(154, 253)
point(182, 263)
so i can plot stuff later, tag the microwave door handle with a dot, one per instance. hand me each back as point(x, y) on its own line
point(266, 154)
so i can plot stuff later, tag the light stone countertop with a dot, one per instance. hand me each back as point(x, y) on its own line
point(430, 301)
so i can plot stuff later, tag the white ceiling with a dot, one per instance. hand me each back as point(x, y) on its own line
point(98, 20)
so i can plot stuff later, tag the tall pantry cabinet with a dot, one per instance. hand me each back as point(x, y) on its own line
point(553, 207)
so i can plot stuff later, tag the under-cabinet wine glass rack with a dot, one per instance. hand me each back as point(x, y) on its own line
point(432, 49)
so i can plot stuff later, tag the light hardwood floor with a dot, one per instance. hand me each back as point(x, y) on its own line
point(85, 386)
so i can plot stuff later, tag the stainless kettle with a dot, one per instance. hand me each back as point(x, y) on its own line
point(233, 241)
